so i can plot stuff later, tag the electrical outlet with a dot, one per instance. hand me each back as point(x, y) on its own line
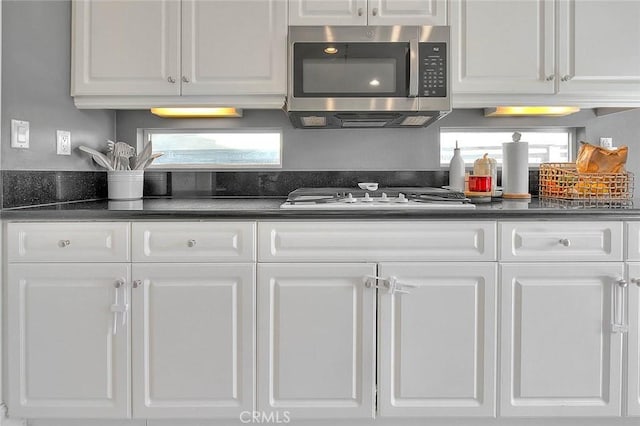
point(63, 142)
point(19, 134)
point(606, 142)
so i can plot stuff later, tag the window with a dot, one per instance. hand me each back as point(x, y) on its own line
point(549, 145)
point(238, 149)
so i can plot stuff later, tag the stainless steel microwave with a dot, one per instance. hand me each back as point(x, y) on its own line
point(368, 76)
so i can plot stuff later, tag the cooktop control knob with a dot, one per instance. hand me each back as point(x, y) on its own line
point(367, 198)
point(402, 198)
point(350, 198)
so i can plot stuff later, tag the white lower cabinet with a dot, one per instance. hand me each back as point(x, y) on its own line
point(561, 354)
point(316, 340)
point(68, 340)
point(436, 348)
point(193, 337)
point(633, 345)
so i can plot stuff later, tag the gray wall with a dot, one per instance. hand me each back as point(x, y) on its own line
point(36, 58)
point(387, 149)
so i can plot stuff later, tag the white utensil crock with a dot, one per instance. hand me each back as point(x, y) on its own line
point(125, 184)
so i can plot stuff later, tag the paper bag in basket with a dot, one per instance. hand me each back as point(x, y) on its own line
point(594, 159)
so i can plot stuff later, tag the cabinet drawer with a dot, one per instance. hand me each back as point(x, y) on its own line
point(561, 241)
point(193, 242)
point(68, 242)
point(376, 241)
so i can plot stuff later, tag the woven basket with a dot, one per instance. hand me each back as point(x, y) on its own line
point(562, 181)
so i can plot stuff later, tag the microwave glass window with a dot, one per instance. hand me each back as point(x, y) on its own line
point(349, 75)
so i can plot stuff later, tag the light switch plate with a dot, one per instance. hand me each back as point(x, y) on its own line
point(63, 142)
point(19, 134)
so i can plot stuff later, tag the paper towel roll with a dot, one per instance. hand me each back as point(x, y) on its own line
point(515, 170)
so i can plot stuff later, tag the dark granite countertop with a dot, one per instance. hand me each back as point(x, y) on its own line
point(269, 208)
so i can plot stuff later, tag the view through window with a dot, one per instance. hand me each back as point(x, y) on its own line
point(552, 145)
point(216, 149)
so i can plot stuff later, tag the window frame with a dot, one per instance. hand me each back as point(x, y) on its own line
point(571, 131)
point(145, 133)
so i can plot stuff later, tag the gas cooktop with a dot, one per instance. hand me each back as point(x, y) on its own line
point(373, 198)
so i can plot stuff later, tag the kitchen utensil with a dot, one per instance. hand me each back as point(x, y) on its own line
point(98, 157)
point(121, 153)
point(143, 156)
point(142, 166)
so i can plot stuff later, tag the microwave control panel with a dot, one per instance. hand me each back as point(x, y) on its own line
point(433, 69)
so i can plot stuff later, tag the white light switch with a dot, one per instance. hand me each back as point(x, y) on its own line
point(19, 134)
point(63, 142)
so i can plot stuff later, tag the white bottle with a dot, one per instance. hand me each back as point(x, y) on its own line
point(456, 171)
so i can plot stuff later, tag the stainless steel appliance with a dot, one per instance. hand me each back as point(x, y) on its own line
point(369, 76)
point(392, 198)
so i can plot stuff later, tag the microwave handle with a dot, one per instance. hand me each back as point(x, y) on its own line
point(413, 68)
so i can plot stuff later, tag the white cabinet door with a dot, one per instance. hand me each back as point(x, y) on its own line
point(407, 12)
point(126, 47)
point(232, 47)
point(603, 62)
point(502, 47)
point(316, 340)
point(323, 12)
point(65, 358)
point(560, 356)
point(437, 347)
point(193, 340)
point(633, 357)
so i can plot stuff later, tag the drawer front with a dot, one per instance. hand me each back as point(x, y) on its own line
point(561, 241)
point(633, 240)
point(376, 241)
point(68, 242)
point(193, 241)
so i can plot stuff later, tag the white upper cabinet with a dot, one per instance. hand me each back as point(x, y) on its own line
point(234, 47)
point(140, 54)
point(600, 48)
point(126, 48)
point(368, 12)
point(545, 52)
point(502, 46)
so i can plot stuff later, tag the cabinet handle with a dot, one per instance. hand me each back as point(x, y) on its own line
point(136, 284)
point(565, 242)
point(391, 284)
point(566, 77)
point(635, 281)
point(374, 11)
point(118, 308)
point(550, 77)
point(359, 11)
point(619, 306)
point(63, 243)
point(191, 243)
point(171, 80)
point(185, 79)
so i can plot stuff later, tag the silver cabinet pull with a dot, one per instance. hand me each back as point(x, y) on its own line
point(635, 281)
point(374, 11)
point(64, 243)
point(566, 77)
point(136, 284)
point(191, 243)
point(171, 80)
point(185, 79)
point(550, 77)
point(619, 306)
point(359, 11)
point(565, 242)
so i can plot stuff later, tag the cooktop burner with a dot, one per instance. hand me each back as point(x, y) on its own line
point(381, 198)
